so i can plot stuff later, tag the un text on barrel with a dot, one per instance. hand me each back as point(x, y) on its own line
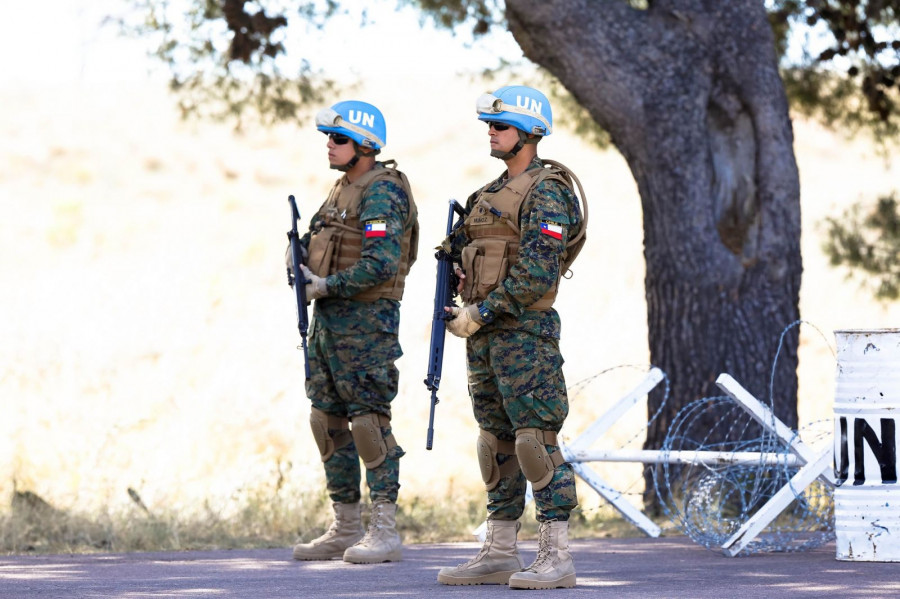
point(866, 409)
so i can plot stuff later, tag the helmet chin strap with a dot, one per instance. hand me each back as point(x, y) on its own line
point(347, 165)
point(523, 139)
point(357, 154)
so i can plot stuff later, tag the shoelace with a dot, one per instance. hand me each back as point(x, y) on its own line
point(374, 526)
point(543, 548)
point(332, 531)
point(481, 552)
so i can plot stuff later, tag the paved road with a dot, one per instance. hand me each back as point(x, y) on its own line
point(615, 568)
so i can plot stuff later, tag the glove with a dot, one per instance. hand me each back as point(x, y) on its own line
point(465, 321)
point(289, 262)
point(315, 285)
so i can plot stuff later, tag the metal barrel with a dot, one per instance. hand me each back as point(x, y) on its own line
point(866, 410)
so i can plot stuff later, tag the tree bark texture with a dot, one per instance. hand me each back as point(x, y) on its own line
point(690, 92)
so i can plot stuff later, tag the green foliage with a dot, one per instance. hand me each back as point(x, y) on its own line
point(848, 77)
point(837, 102)
point(848, 73)
point(481, 15)
point(223, 55)
point(783, 14)
point(867, 242)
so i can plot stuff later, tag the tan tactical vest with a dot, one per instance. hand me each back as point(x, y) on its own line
point(494, 240)
point(337, 245)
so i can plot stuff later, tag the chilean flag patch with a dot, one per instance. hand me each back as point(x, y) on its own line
point(376, 228)
point(552, 229)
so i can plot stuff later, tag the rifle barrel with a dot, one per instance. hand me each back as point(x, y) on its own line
point(443, 297)
point(299, 283)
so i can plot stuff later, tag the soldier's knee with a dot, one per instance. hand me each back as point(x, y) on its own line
point(371, 443)
point(488, 446)
point(536, 462)
point(322, 424)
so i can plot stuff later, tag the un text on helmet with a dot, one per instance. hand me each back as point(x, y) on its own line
point(358, 116)
point(529, 104)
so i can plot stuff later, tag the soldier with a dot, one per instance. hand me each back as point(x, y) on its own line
point(520, 235)
point(359, 248)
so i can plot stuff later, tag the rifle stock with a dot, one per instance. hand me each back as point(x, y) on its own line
point(443, 296)
point(298, 282)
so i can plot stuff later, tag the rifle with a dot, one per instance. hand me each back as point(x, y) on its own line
point(298, 282)
point(444, 291)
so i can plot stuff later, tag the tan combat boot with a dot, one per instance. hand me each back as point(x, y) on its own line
point(553, 567)
point(344, 531)
point(496, 561)
point(381, 543)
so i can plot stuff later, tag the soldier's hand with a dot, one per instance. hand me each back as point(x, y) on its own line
point(315, 285)
point(465, 321)
point(289, 262)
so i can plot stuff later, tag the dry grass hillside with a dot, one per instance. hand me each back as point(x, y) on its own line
point(149, 338)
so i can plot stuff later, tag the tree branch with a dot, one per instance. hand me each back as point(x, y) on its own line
point(555, 34)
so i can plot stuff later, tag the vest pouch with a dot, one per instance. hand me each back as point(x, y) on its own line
point(494, 263)
point(489, 267)
point(321, 251)
point(467, 261)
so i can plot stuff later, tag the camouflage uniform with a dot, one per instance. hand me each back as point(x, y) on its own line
point(514, 362)
point(354, 345)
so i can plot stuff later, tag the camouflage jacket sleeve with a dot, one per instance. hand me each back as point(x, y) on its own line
point(386, 202)
point(544, 222)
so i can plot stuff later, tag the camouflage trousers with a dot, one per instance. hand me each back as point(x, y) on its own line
point(352, 375)
point(516, 381)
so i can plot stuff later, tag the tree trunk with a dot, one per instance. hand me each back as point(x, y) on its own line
point(690, 93)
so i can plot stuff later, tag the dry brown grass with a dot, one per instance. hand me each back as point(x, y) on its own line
point(274, 520)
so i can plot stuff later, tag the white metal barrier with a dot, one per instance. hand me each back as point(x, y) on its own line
point(578, 454)
point(573, 454)
point(816, 465)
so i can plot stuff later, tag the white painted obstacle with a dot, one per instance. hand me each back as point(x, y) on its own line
point(815, 465)
point(578, 454)
point(596, 430)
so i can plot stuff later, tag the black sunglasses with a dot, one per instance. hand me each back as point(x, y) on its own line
point(338, 139)
point(497, 126)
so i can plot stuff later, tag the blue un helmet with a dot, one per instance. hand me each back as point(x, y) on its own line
point(360, 121)
point(524, 108)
